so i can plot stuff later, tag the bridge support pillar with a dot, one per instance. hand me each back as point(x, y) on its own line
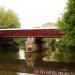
point(35, 51)
point(35, 44)
point(39, 42)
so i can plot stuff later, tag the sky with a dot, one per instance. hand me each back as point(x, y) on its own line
point(33, 13)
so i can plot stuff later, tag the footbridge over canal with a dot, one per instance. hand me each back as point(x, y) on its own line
point(36, 34)
point(52, 33)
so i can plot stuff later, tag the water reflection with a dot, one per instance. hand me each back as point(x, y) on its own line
point(8, 54)
point(60, 54)
point(37, 58)
point(21, 53)
point(7, 73)
point(11, 54)
point(33, 58)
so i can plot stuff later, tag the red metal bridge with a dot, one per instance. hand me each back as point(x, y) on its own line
point(47, 68)
point(52, 33)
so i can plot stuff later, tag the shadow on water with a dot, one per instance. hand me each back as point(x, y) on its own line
point(8, 53)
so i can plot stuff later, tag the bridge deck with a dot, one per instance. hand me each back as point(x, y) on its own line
point(31, 33)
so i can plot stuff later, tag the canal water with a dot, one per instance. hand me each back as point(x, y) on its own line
point(11, 55)
point(51, 54)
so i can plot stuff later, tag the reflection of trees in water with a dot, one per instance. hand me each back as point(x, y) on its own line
point(7, 73)
point(54, 54)
point(67, 54)
point(7, 55)
point(34, 58)
point(60, 54)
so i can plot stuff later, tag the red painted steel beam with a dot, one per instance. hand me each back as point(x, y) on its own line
point(53, 33)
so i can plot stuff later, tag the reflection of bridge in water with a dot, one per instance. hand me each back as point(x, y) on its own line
point(44, 68)
point(33, 62)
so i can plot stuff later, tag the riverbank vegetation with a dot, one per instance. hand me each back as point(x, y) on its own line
point(9, 20)
point(64, 48)
point(67, 24)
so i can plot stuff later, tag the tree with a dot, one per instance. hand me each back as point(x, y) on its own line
point(8, 19)
point(67, 23)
